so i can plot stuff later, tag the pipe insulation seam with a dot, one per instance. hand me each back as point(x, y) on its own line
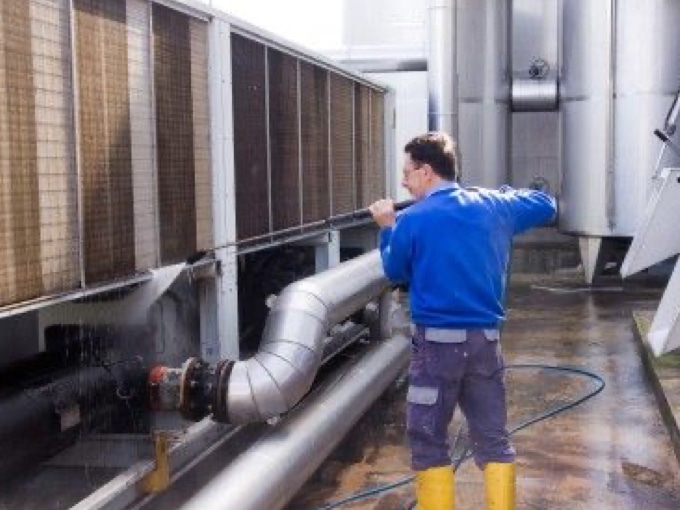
point(268, 475)
point(282, 372)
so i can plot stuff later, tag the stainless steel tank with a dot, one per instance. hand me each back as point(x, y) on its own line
point(483, 63)
point(620, 72)
point(468, 43)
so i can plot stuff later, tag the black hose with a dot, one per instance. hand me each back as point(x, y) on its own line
point(465, 455)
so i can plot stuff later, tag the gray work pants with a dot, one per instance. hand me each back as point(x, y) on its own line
point(441, 375)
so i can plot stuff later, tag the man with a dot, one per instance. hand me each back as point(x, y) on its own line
point(452, 248)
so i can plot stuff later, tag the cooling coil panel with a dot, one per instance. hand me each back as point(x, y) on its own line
point(309, 141)
point(174, 129)
point(250, 137)
point(342, 144)
point(19, 213)
point(362, 147)
point(314, 120)
point(202, 171)
point(105, 149)
point(376, 185)
point(98, 181)
point(142, 128)
point(284, 128)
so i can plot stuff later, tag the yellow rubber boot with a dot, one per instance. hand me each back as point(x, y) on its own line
point(499, 486)
point(435, 489)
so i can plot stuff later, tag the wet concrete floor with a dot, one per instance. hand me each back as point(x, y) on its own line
point(610, 452)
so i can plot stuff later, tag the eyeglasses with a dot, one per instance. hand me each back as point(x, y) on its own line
point(408, 171)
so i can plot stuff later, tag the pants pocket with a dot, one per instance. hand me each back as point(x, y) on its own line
point(422, 410)
point(422, 395)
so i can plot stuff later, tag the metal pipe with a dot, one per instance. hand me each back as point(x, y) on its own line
point(442, 77)
point(610, 171)
point(386, 64)
point(281, 373)
point(532, 95)
point(269, 474)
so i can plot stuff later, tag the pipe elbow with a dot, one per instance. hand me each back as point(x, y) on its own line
point(281, 373)
point(283, 370)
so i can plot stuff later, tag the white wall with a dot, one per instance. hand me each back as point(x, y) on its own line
point(317, 25)
point(411, 113)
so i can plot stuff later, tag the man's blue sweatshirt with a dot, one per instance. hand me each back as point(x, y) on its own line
point(452, 249)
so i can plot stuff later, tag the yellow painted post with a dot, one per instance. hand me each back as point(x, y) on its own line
point(159, 479)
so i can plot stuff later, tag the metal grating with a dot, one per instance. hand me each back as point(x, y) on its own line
point(143, 170)
point(57, 176)
point(362, 152)
point(143, 142)
point(175, 134)
point(19, 206)
point(284, 139)
point(105, 149)
point(201, 122)
point(250, 137)
point(314, 133)
point(342, 156)
point(376, 185)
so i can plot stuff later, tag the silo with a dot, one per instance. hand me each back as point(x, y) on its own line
point(467, 43)
point(483, 67)
point(620, 73)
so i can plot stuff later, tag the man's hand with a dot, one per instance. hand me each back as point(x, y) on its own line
point(383, 212)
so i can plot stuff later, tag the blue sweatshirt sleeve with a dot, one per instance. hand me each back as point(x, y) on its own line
point(529, 208)
point(396, 251)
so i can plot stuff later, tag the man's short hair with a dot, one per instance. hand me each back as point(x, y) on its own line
point(438, 150)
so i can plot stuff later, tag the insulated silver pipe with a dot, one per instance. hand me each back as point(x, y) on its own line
point(269, 474)
point(280, 374)
point(386, 65)
point(534, 95)
point(442, 77)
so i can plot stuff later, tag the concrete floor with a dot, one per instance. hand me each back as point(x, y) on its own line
point(611, 452)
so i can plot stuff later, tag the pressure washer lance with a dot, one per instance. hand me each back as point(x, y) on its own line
point(337, 221)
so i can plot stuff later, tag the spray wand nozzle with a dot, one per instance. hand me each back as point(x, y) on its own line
point(332, 222)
